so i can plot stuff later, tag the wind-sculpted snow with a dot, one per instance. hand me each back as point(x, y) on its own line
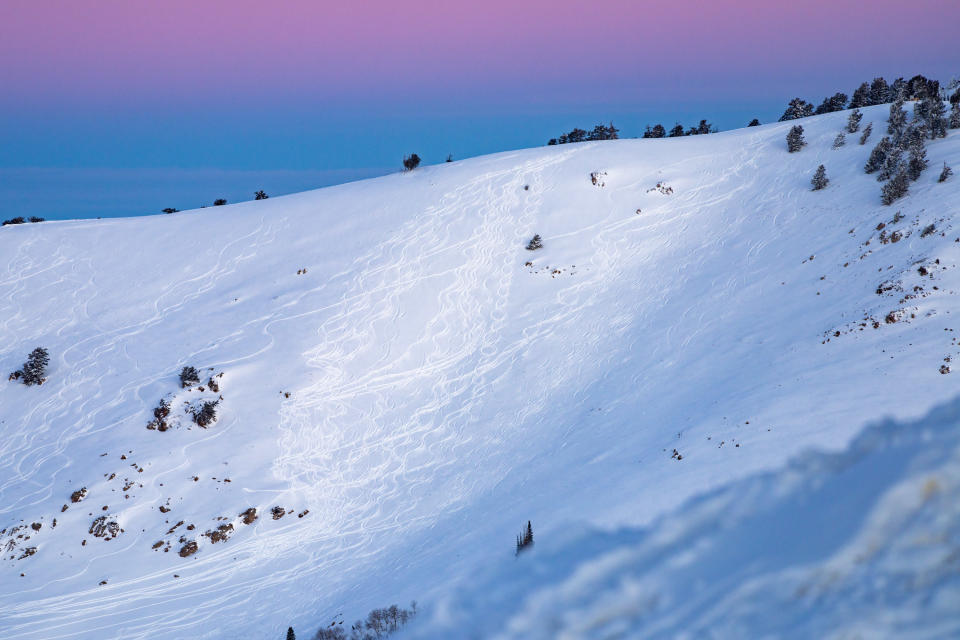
point(862, 544)
point(405, 385)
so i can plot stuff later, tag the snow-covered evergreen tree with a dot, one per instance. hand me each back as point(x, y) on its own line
point(861, 97)
point(896, 188)
point(840, 140)
point(891, 164)
point(795, 140)
point(879, 91)
point(897, 120)
point(879, 155)
point(798, 108)
point(820, 179)
point(676, 131)
point(866, 133)
point(836, 102)
point(955, 115)
point(936, 118)
point(853, 121)
point(917, 161)
point(34, 370)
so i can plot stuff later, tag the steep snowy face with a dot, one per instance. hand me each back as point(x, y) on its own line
point(399, 384)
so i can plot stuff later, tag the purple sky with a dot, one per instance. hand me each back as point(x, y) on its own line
point(312, 85)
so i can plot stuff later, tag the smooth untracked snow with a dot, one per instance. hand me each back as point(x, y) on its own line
point(422, 393)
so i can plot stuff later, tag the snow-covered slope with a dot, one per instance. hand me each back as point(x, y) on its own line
point(419, 392)
point(861, 544)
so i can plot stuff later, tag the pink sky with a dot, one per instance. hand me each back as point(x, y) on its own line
point(131, 50)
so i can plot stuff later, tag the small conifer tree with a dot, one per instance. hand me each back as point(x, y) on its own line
point(219, 202)
point(866, 133)
point(954, 122)
point(290, 634)
point(946, 173)
point(795, 140)
point(840, 140)
point(754, 123)
point(535, 243)
point(820, 179)
point(260, 195)
point(936, 118)
point(853, 121)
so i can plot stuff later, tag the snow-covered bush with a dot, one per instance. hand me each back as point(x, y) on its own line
point(840, 140)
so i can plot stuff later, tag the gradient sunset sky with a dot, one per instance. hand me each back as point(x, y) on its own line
point(122, 107)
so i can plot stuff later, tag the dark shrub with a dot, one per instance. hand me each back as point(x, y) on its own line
point(411, 162)
point(754, 123)
point(206, 413)
point(189, 377)
point(260, 195)
point(17, 220)
point(946, 173)
point(535, 243)
point(219, 202)
point(170, 210)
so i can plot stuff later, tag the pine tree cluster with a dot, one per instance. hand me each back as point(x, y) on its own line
point(657, 131)
point(599, 132)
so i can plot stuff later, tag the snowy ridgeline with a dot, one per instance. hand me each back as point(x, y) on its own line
point(389, 385)
point(861, 544)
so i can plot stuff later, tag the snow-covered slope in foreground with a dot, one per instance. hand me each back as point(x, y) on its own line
point(405, 392)
point(862, 544)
